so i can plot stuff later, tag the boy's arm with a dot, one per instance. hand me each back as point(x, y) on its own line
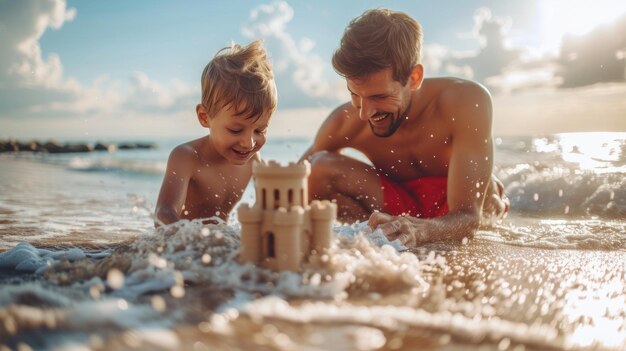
point(174, 188)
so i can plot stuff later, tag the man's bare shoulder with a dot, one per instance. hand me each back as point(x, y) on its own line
point(343, 122)
point(461, 94)
point(338, 130)
point(342, 115)
point(459, 99)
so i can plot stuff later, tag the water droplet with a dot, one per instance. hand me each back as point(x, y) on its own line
point(115, 278)
point(206, 258)
point(122, 304)
point(158, 303)
point(177, 291)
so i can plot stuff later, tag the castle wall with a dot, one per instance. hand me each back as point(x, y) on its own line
point(280, 231)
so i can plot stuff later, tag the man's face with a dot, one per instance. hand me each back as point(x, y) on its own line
point(381, 100)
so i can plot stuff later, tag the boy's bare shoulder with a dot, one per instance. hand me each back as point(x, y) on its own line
point(187, 154)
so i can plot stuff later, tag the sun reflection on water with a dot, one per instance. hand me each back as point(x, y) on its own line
point(593, 150)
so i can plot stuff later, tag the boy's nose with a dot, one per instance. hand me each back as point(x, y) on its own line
point(247, 142)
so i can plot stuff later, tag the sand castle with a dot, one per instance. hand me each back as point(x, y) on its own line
point(281, 231)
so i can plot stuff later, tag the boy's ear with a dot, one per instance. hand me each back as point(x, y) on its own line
point(203, 117)
point(417, 77)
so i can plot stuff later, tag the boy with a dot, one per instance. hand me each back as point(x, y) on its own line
point(206, 177)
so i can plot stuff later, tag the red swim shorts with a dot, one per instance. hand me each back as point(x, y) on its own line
point(422, 197)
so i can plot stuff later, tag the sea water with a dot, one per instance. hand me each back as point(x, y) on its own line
point(83, 268)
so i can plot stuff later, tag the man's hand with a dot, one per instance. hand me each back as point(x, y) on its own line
point(496, 203)
point(409, 231)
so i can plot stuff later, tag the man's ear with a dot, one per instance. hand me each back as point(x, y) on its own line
point(203, 117)
point(417, 77)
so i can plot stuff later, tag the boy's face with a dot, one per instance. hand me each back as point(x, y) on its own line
point(236, 138)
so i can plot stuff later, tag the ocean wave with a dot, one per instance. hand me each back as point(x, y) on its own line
point(147, 167)
point(559, 191)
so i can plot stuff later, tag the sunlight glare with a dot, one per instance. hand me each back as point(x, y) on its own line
point(577, 17)
point(593, 150)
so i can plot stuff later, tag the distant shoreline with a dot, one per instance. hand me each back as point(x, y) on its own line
point(54, 147)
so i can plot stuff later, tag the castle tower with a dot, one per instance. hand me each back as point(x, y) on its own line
point(278, 186)
point(250, 219)
point(323, 215)
point(281, 231)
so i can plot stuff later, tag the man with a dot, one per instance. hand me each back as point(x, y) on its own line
point(429, 140)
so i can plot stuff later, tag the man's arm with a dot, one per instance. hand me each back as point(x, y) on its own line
point(469, 111)
point(328, 137)
point(174, 188)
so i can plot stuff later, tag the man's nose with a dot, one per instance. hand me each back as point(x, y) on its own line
point(366, 110)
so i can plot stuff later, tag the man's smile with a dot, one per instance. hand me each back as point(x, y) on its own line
point(379, 117)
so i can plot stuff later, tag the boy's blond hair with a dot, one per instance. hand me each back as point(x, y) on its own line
point(241, 78)
point(376, 40)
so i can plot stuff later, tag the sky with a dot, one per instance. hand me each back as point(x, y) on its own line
point(131, 69)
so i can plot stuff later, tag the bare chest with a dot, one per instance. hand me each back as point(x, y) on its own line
point(409, 154)
point(212, 191)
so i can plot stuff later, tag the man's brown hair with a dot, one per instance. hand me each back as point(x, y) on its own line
point(376, 40)
point(242, 78)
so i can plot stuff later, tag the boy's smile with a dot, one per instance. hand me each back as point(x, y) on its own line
point(237, 138)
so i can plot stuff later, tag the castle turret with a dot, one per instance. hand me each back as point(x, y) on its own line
point(250, 218)
point(278, 186)
point(323, 215)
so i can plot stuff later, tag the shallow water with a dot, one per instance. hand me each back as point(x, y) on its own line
point(95, 275)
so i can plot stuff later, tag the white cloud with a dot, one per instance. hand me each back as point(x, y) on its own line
point(35, 86)
point(496, 64)
point(300, 74)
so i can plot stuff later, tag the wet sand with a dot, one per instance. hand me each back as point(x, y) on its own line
point(488, 296)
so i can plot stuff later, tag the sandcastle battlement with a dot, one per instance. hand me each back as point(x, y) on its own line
point(246, 214)
point(281, 230)
point(276, 170)
point(294, 216)
point(323, 210)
